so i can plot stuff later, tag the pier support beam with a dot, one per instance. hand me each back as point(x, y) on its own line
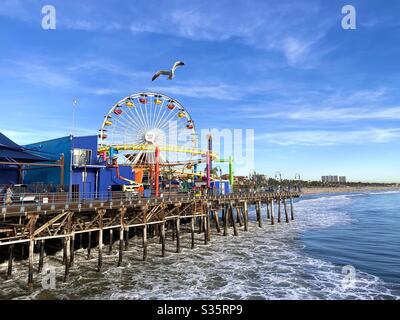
point(145, 236)
point(208, 222)
point(30, 271)
point(72, 249)
point(122, 213)
point(259, 218)
point(238, 215)
point(272, 212)
point(216, 219)
point(10, 260)
point(291, 208)
point(192, 230)
point(246, 216)
point(286, 212)
point(126, 238)
point(225, 219)
point(163, 239)
point(121, 246)
point(41, 256)
point(268, 213)
point(279, 209)
point(235, 231)
point(178, 235)
point(101, 213)
point(67, 248)
point(31, 228)
point(89, 246)
point(110, 247)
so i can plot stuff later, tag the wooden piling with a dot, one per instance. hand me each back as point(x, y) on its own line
point(178, 235)
point(208, 222)
point(238, 215)
point(286, 212)
point(100, 247)
point(279, 209)
point(235, 231)
point(225, 219)
point(268, 213)
point(41, 256)
point(163, 239)
point(10, 260)
point(204, 222)
point(126, 238)
point(201, 224)
point(30, 271)
point(67, 246)
point(145, 236)
point(64, 250)
point(121, 246)
point(89, 246)
point(258, 211)
point(110, 247)
point(72, 257)
point(291, 208)
point(272, 212)
point(122, 212)
point(216, 219)
point(192, 230)
point(245, 216)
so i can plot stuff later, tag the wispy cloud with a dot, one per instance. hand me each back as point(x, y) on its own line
point(197, 90)
point(329, 138)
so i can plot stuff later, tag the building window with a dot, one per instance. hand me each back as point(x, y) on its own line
point(82, 157)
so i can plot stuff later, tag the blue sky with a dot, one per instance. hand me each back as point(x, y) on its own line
point(322, 100)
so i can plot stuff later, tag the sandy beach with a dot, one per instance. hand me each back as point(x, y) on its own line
point(345, 189)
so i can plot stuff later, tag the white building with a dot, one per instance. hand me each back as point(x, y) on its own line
point(330, 179)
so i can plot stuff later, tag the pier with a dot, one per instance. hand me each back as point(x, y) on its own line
point(113, 218)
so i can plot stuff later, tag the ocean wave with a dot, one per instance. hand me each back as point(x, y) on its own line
point(264, 263)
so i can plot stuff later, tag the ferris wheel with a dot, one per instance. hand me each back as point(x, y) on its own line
point(138, 124)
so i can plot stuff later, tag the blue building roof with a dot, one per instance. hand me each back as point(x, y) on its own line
point(12, 152)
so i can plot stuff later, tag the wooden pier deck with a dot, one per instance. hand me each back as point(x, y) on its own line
point(31, 225)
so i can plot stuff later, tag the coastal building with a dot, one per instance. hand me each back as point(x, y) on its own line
point(330, 179)
point(342, 179)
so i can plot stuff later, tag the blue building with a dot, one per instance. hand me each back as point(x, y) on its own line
point(84, 172)
point(14, 159)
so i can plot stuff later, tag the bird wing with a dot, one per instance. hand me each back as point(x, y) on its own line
point(177, 64)
point(159, 73)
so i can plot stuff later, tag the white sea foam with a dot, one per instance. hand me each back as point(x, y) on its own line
point(267, 263)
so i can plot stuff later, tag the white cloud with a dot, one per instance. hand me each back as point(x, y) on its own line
point(328, 138)
point(217, 91)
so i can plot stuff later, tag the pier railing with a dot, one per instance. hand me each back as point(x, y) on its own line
point(38, 202)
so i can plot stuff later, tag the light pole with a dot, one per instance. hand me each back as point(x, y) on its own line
point(297, 178)
point(74, 103)
point(220, 177)
point(278, 174)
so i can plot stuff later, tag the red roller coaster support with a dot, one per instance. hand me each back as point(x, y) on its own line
point(208, 170)
point(157, 171)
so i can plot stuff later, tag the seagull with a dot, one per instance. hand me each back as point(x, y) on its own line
point(169, 73)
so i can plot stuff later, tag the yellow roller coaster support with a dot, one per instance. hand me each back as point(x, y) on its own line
point(140, 147)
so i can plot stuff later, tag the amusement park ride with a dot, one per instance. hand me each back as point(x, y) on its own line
point(156, 136)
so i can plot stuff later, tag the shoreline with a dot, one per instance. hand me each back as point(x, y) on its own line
point(318, 190)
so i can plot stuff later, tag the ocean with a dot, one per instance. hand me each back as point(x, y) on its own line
point(340, 246)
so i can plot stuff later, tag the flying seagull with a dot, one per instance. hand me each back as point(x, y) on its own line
point(169, 73)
